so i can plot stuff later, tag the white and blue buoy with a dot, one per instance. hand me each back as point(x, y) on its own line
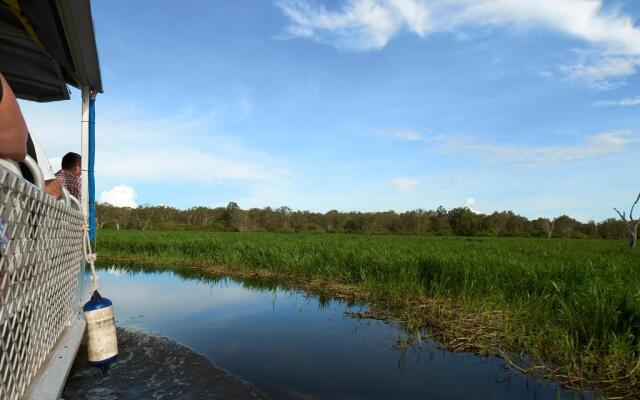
point(102, 343)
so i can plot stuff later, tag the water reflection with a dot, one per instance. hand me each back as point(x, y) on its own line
point(292, 345)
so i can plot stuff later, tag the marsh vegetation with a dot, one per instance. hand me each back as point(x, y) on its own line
point(569, 309)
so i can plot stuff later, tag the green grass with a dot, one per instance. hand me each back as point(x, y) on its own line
point(572, 303)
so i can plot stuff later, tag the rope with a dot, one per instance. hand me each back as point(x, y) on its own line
point(90, 257)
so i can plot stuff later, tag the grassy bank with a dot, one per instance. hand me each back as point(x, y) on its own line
point(564, 308)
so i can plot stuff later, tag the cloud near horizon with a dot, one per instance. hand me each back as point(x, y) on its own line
point(176, 147)
point(612, 38)
point(469, 204)
point(120, 196)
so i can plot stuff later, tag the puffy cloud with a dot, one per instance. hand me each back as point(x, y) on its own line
point(120, 196)
point(404, 184)
point(360, 25)
point(469, 204)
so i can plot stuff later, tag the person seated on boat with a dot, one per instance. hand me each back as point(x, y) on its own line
point(13, 129)
point(70, 173)
point(16, 142)
point(52, 184)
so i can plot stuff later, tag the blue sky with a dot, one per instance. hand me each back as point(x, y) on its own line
point(364, 105)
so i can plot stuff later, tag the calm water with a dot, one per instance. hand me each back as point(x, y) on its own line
point(290, 345)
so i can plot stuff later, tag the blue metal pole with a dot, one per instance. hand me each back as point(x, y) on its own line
point(92, 152)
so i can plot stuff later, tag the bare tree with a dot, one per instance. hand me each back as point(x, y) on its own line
point(548, 227)
point(144, 222)
point(631, 224)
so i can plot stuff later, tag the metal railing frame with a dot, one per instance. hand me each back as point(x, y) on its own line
point(41, 280)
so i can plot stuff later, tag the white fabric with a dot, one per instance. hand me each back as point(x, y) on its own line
point(43, 161)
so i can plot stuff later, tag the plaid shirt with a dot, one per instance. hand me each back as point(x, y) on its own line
point(69, 181)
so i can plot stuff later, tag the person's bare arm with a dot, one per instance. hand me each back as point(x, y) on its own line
point(54, 188)
point(13, 129)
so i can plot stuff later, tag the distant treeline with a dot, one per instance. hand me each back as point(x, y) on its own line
point(458, 221)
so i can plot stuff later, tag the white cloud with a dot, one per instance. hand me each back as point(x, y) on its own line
point(360, 25)
point(595, 146)
point(366, 25)
point(583, 19)
point(469, 204)
point(183, 164)
point(404, 184)
point(629, 101)
point(408, 136)
point(120, 196)
point(600, 71)
point(178, 147)
point(117, 271)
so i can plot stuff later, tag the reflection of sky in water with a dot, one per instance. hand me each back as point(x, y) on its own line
point(289, 346)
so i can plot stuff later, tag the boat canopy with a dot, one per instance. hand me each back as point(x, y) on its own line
point(47, 44)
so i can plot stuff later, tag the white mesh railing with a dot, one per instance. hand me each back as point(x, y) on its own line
point(41, 258)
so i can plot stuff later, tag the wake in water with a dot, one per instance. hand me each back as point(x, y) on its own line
point(153, 367)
